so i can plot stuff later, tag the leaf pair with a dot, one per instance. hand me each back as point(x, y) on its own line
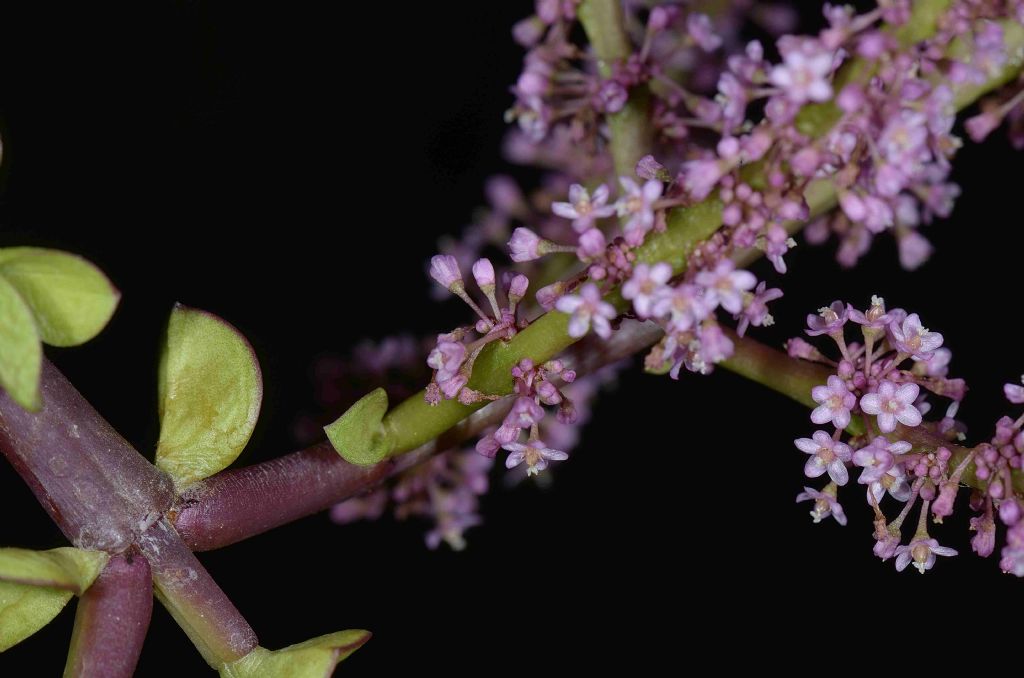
point(50, 296)
point(36, 585)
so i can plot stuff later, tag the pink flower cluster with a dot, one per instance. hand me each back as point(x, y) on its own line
point(875, 403)
point(453, 357)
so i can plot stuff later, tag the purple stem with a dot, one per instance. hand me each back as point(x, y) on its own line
point(96, 487)
point(237, 504)
point(190, 594)
point(111, 620)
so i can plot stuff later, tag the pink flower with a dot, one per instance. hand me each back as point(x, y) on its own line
point(447, 357)
point(892, 403)
point(524, 414)
point(584, 208)
point(445, 270)
point(803, 77)
point(910, 337)
point(645, 285)
point(835, 400)
point(1012, 560)
point(535, 453)
point(725, 286)
point(876, 459)
point(525, 245)
point(922, 551)
point(698, 26)
point(829, 320)
point(875, 317)
point(698, 177)
point(826, 455)
point(824, 505)
point(587, 308)
point(893, 481)
point(756, 311)
point(684, 305)
point(1014, 392)
point(637, 204)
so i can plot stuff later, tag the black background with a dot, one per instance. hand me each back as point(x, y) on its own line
point(290, 167)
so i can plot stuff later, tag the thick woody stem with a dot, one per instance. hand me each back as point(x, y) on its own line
point(96, 487)
point(190, 594)
point(111, 620)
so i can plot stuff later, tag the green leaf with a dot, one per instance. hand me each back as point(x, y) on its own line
point(70, 298)
point(64, 568)
point(210, 390)
point(358, 435)
point(312, 659)
point(36, 585)
point(21, 356)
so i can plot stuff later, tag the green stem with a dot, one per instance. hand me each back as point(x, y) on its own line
point(631, 133)
point(413, 422)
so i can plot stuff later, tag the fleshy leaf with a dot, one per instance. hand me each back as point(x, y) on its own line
point(21, 356)
point(70, 298)
point(64, 568)
point(312, 659)
point(210, 391)
point(36, 585)
point(357, 435)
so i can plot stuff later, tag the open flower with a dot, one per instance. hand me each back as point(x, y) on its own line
point(893, 404)
point(826, 455)
point(726, 286)
point(922, 551)
point(645, 284)
point(803, 77)
point(587, 308)
point(825, 505)
point(584, 208)
point(910, 337)
point(835, 402)
point(535, 453)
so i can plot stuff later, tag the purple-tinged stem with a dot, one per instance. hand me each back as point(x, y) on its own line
point(237, 504)
point(111, 620)
point(190, 594)
point(96, 487)
point(240, 503)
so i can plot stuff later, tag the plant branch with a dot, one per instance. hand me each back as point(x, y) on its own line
point(111, 621)
point(190, 594)
point(95, 486)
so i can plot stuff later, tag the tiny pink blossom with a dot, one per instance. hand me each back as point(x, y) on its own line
point(483, 273)
point(824, 505)
point(835, 400)
point(910, 337)
point(894, 481)
point(827, 455)
point(725, 286)
point(755, 312)
point(591, 244)
point(587, 308)
point(525, 245)
point(876, 460)
point(804, 77)
point(875, 317)
point(447, 357)
point(645, 285)
point(698, 177)
point(684, 305)
point(535, 453)
point(638, 204)
point(548, 295)
point(892, 403)
point(828, 320)
point(1014, 392)
point(698, 26)
point(444, 268)
point(922, 552)
point(584, 208)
